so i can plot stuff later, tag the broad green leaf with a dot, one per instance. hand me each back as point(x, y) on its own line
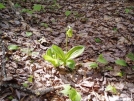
point(25, 85)
point(66, 89)
point(53, 61)
point(28, 34)
point(111, 89)
point(74, 52)
point(74, 95)
point(44, 24)
point(69, 32)
point(70, 64)
point(59, 52)
point(121, 62)
point(37, 7)
point(17, 5)
point(67, 13)
point(13, 47)
point(93, 65)
point(101, 59)
point(2, 6)
point(131, 56)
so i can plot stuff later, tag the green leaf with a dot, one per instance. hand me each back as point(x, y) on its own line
point(131, 56)
point(66, 89)
point(59, 52)
point(69, 32)
point(120, 74)
point(28, 34)
point(53, 61)
point(111, 89)
point(44, 24)
point(25, 85)
point(67, 13)
point(17, 5)
point(37, 7)
point(93, 65)
point(13, 47)
point(2, 6)
point(97, 40)
point(127, 10)
point(74, 52)
point(121, 62)
point(101, 59)
point(30, 79)
point(70, 64)
point(10, 97)
point(71, 92)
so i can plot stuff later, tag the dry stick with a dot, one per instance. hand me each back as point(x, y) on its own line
point(3, 70)
point(38, 92)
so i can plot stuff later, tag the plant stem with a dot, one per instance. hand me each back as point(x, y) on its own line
point(66, 42)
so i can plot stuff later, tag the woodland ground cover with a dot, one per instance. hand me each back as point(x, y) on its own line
point(103, 72)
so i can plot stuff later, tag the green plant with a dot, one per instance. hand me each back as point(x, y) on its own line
point(71, 93)
point(44, 25)
point(111, 89)
point(2, 6)
point(69, 34)
point(101, 59)
point(25, 85)
point(97, 40)
point(13, 47)
point(28, 34)
point(30, 79)
point(130, 56)
point(121, 62)
point(37, 7)
point(67, 13)
point(57, 56)
point(93, 65)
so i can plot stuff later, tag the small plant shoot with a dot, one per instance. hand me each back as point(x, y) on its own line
point(67, 13)
point(2, 6)
point(13, 47)
point(93, 65)
point(28, 34)
point(121, 62)
point(111, 89)
point(101, 59)
point(130, 56)
point(37, 7)
point(71, 93)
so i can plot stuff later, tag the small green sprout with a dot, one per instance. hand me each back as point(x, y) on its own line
point(71, 93)
point(97, 40)
point(121, 62)
point(111, 89)
point(67, 13)
point(13, 47)
point(101, 59)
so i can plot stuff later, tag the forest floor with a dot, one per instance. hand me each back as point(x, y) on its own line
point(102, 27)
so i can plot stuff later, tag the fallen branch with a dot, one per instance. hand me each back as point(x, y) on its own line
point(38, 92)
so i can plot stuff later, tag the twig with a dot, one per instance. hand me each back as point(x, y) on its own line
point(3, 70)
point(38, 92)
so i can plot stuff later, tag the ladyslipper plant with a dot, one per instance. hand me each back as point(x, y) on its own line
point(58, 57)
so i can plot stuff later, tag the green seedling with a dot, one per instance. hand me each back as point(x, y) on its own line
point(93, 65)
point(115, 29)
point(120, 74)
point(27, 51)
point(67, 13)
point(2, 6)
point(101, 59)
point(130, 56)
point(17, 5)
point(71, 93)
point(111, 89)
point(109, 68)
point(57, 56)
point(127, 10)
point(121, 62)
point(69, 34)
point(28, 34)
point(30, 79)
point(44, 25)
point(37, 7)
point(10, 97)
point(29, 11)
point(25, 85)
point(97, 40)
point(13, 47)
